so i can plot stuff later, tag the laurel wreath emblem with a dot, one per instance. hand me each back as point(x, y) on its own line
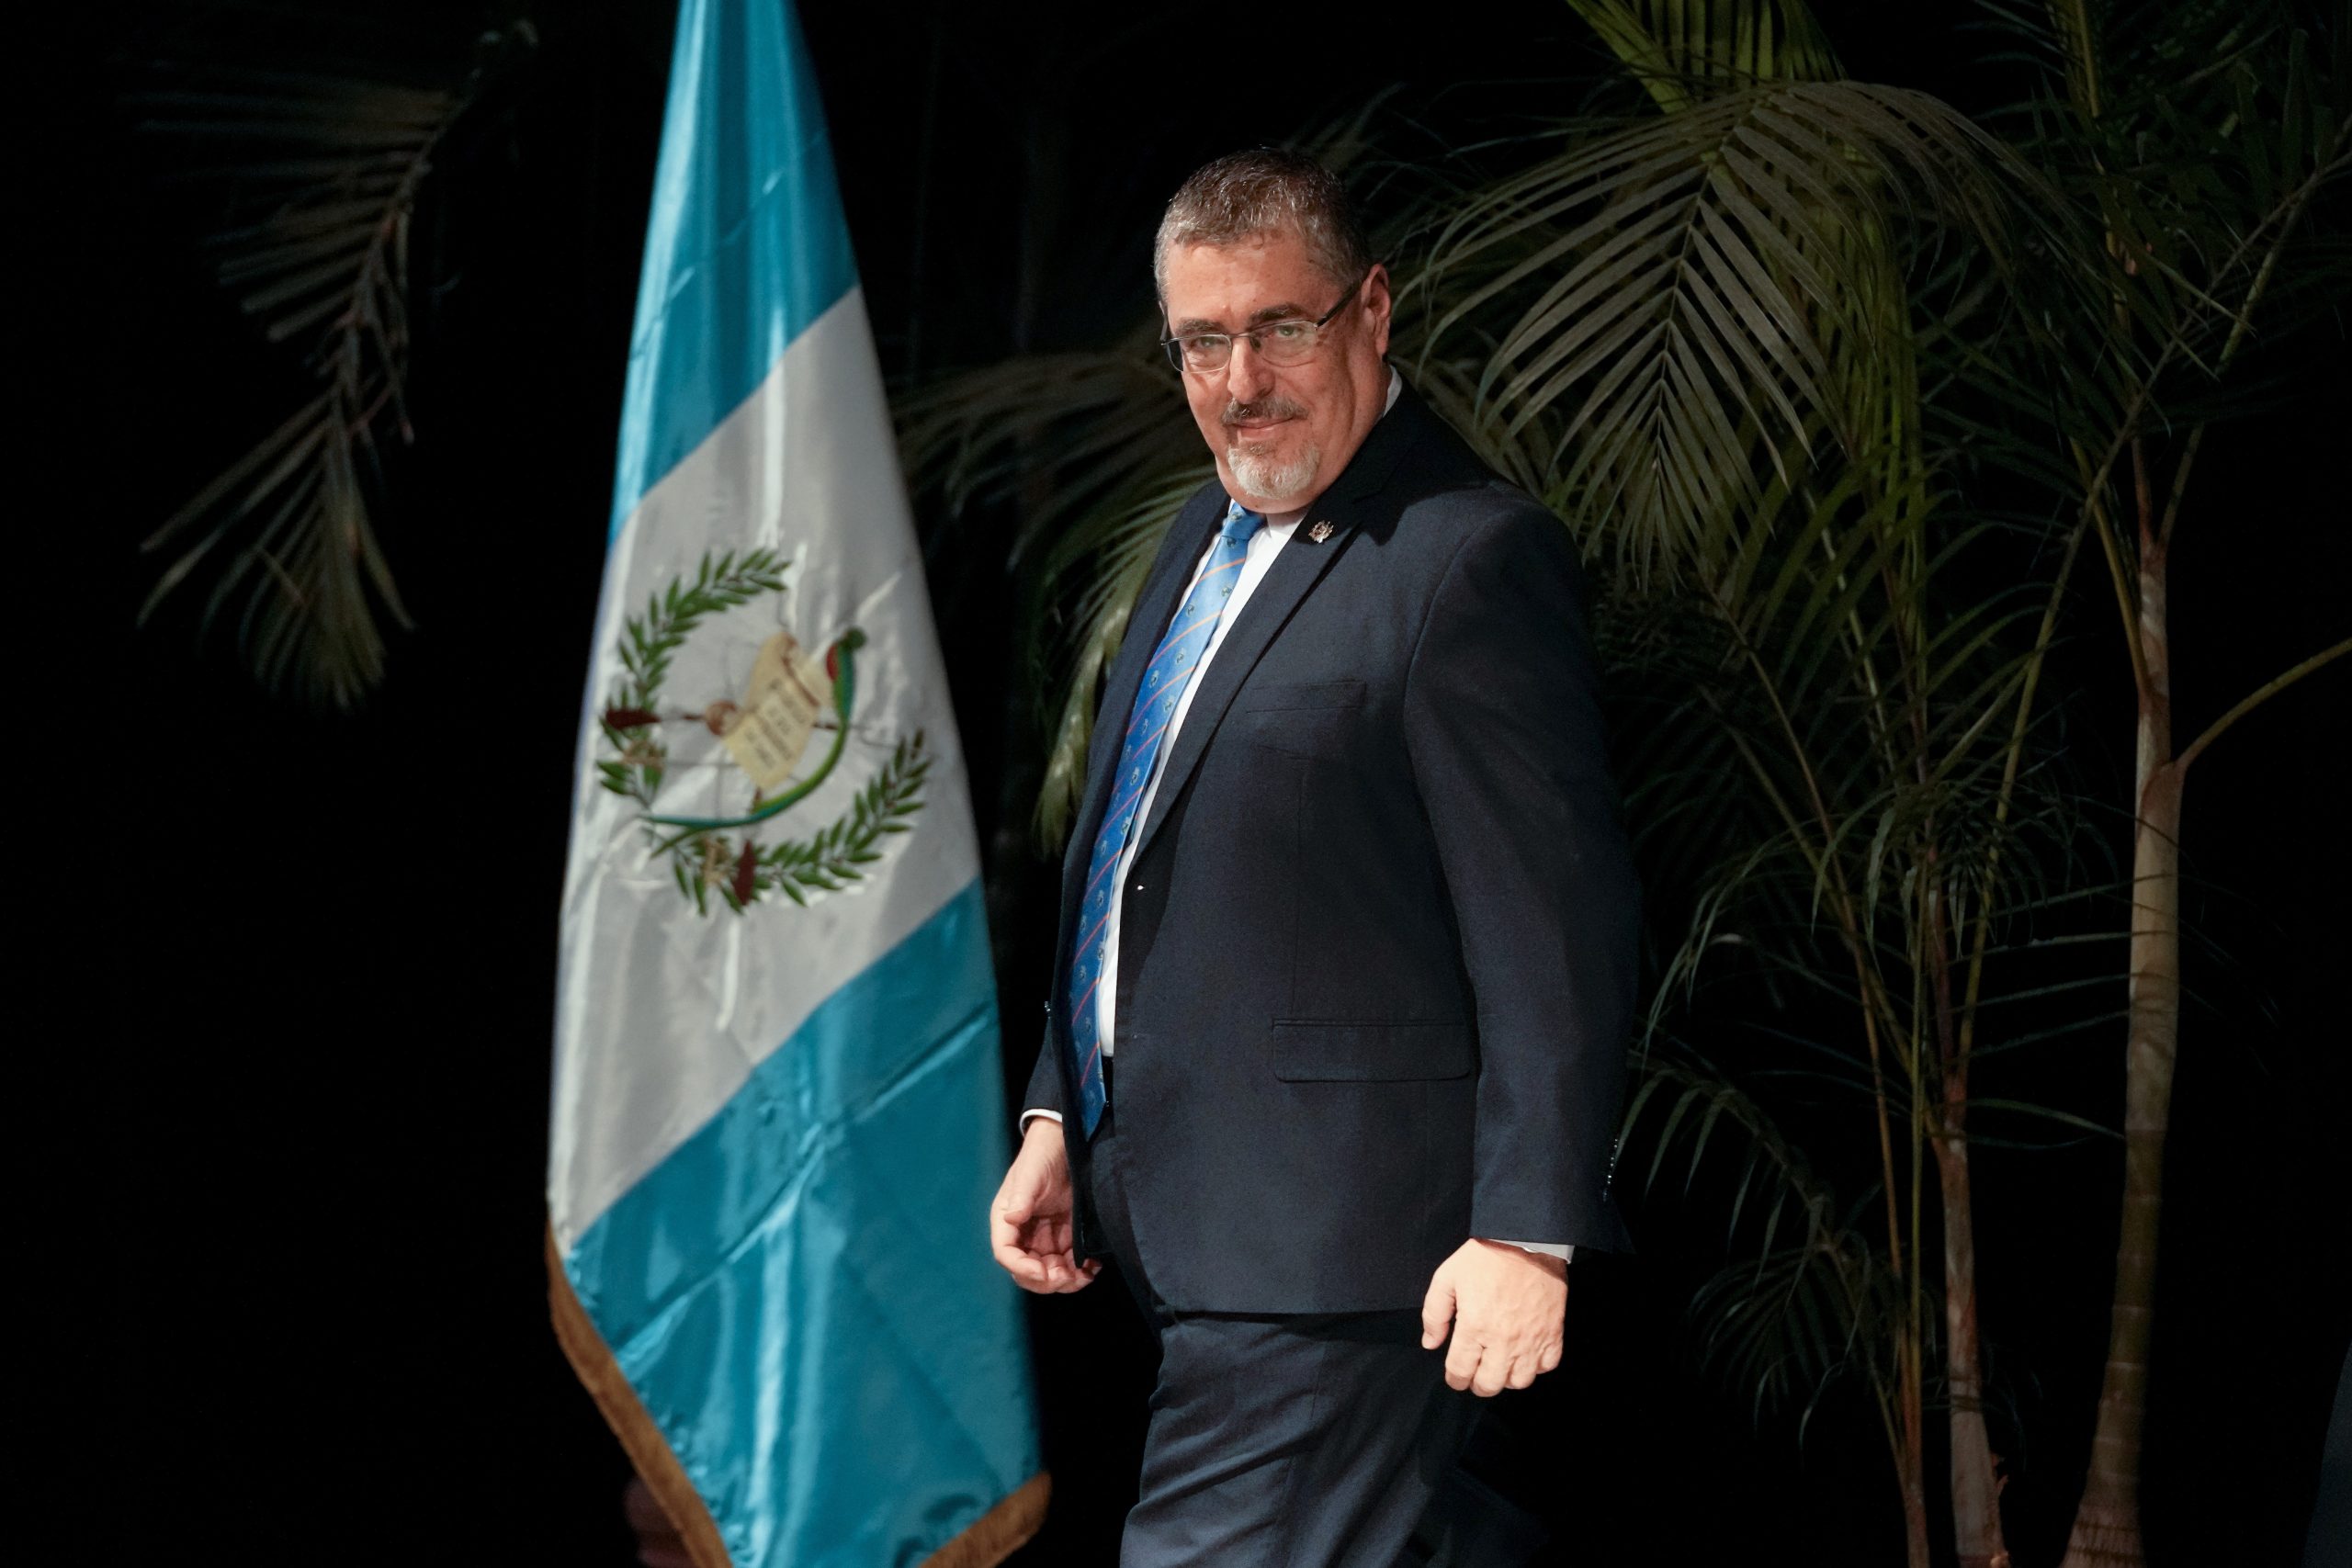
point(705, 856)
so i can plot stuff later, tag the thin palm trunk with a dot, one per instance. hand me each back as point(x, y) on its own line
point(1912, 1460)
point(1976, 1510)
point(1976, 1494)
point(2107, 1525)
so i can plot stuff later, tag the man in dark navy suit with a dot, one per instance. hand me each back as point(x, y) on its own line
point(1346, 964)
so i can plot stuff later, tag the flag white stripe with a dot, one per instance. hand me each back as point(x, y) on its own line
point(810, 449)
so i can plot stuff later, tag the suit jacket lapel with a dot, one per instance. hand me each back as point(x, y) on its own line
point(1298, 568)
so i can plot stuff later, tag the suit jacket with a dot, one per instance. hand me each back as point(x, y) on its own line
point(1377, 953)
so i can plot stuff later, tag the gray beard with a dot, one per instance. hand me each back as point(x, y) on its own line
point(1267, 479)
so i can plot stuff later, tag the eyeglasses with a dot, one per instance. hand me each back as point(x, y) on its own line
point(1288, 341)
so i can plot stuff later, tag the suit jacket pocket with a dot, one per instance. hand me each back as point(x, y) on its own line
point(1289, 697)
point(1300, 719)
point(1348, 1051)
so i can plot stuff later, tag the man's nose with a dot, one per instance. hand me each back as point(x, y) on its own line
point(1247, 379)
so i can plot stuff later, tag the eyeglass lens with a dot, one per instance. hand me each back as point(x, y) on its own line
point(1277, 343)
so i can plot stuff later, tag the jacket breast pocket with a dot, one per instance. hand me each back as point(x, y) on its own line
point(1348, 1051)
point(1301, 718)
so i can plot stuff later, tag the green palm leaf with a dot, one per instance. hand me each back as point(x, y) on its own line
point(1681, 304)
point(1681, 49)
point(1814, 1304)
point(323, 174)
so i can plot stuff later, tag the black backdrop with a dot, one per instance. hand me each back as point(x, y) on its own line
point(329, 941)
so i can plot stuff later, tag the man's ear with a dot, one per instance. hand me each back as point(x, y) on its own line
point(1378, 302)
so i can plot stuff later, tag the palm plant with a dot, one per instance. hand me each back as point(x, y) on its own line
point(1883, 840)
point(2201, 139)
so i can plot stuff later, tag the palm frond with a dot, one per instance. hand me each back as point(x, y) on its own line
point(1674, 303)
point(1814, 1304)
point(322, 176)
point(1681, 49)
point(1060, 433)
point(2197, 139)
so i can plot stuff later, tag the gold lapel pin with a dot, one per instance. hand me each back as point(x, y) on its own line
point(1319, 532)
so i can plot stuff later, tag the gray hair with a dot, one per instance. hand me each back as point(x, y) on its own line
point(1270, 190)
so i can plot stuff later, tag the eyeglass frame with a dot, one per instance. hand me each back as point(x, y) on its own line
point(1172, 342)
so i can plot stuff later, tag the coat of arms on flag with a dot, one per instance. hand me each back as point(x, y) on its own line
point(786, 699)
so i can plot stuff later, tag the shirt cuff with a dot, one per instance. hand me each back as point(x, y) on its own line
point(1029, 1116)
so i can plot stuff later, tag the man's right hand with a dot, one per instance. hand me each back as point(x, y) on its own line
point(1029, 1223)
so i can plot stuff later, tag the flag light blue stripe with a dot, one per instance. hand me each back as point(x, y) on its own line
point(802, 1293)
point(746, 245)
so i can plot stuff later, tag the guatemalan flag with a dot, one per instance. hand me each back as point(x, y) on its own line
point(777, 1111)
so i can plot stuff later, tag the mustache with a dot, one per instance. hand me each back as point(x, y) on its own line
point(1267, 408)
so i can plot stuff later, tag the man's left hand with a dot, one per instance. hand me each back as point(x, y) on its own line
point(1509, 1311)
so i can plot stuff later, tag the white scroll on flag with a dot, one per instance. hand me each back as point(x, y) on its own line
point(777, 1111)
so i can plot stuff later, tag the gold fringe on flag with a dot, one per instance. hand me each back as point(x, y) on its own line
point(999, 1533)
point(591, 1359)
point(986, 1541)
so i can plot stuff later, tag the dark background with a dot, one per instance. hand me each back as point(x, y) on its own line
point(323, 1329)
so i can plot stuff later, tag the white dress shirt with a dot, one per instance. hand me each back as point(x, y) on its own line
point(1264, 544)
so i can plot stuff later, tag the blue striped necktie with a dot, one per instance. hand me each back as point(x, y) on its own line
point(1164, 680)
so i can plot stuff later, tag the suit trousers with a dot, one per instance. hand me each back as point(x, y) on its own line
point(1296, 1441)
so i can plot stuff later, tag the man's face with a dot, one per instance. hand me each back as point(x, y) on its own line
point(1280, 432)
